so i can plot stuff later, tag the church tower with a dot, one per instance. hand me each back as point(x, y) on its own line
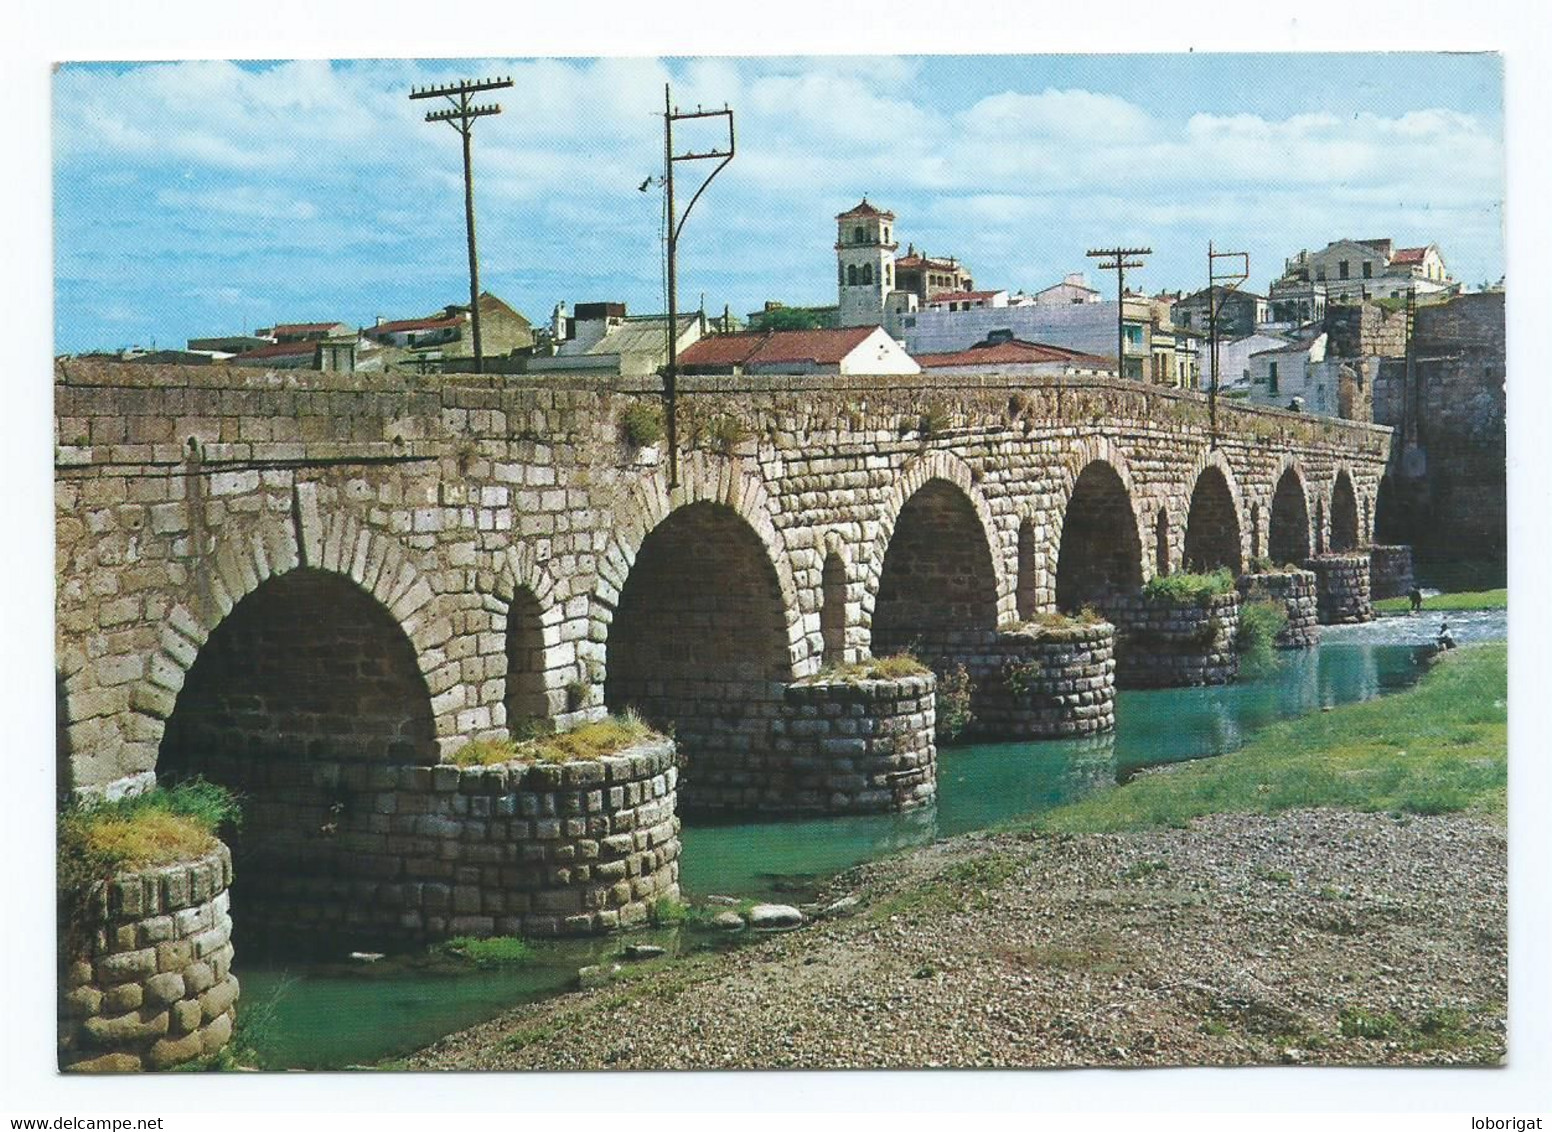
point(865, 263)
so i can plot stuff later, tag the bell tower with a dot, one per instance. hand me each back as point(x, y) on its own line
point(865, 263)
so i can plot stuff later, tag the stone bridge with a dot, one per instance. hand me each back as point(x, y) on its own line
point(372, 570)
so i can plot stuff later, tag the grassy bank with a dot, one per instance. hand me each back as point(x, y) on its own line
point(1449, 603)
point(1439, 747)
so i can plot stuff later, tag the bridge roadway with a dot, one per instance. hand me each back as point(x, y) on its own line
point(370, 568)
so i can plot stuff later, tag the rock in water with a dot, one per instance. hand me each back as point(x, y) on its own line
point(643, 951)
point(773, 917)
point(597, 976)
point(728, 921)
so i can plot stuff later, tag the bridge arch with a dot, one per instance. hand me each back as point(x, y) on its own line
point(938, 585)
point(1100, 545)
point(950, 472)
point(369, 565)
point(527, 613)
point(1345, 532)
point(834, 587)
point(1390, 520)
point(1213, 535)
point(1288, 537)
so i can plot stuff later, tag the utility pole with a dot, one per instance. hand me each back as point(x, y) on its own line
point(672, 114)
point(1121, 261)
point(1219, 286)
point(461, 115)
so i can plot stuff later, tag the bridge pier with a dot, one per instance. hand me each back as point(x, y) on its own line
point(1295, 589)
point(1042, 682)
point(1390, 571)
point(1342, 587)
point(1166, 644)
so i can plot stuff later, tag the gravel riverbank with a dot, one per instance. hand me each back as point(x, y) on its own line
point(1312, 937)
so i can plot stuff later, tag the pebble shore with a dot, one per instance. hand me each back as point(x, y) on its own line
point(1311, 937)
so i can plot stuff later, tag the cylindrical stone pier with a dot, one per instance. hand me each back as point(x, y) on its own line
point(1390, 571)
point(857, 746)
point(1342, 588)
point(147, 980)
point(1296, 590)
point(1044, 682)
point(1165, 644)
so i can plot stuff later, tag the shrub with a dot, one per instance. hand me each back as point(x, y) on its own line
point(1188, 589)
point(953, 703)
point(160, 826)
point(901, 664)
point(489, 952)
point(935, 419)
point(1260, 620)
point(723, 433)
point(641, 424)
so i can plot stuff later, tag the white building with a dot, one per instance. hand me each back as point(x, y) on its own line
point(1295, 372)
point(845, 350)
point(1234, 358)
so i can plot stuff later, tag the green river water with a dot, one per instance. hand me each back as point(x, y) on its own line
point(330, 1016)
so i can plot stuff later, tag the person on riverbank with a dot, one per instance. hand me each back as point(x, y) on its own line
point(1446, 639)
point(1415, 595)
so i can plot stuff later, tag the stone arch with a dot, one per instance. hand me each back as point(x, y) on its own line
point(1213, 538)
point(698, 645)
point(937, 588)
point(1161, 542)
point(1390, 523)
point(1255, 530)
point(1345, 534)
point(1320, 525)
point(1027, 584)
point(704, 478)
point(833, 586)
point(371, 561)
point(1100, 547)
point(526, 611)
point(1288, 537)
point(945, 466)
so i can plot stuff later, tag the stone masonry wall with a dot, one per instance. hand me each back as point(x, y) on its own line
point(1043, 684)
point(1342, 588)
point(853, 746)
point(390, 854)
point(1390, 571)
point(448, 502)
point(1296, 590)
point(1166, 645)
point(148, 982)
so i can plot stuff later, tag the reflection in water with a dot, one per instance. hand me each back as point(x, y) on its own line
point(986, 783)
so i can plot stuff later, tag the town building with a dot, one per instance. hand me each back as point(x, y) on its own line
point(875, 288)
point(447, 334)
point(1353, 270)
point(844, 350)
point(292, 332)
point(1239, 312)
point(1074, 288)
point(1234, 356)
point(1003, 354)
point(604, 338)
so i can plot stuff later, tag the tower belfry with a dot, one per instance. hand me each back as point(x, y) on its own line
point(865, 263)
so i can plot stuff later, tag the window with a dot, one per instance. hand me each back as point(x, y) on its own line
point(1271, 377)
point(1341, 269)
point(1320, 274)
point(889, 274)
point(910, 320)
point(867, 273)
point(856, 235)
point(1368, 269)
point(851, 274)
point(886, 234)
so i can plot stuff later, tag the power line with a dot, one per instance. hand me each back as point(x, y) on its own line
point(1122, 260)
point(461, 115)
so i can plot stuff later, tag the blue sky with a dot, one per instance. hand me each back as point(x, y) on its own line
point(210, 197)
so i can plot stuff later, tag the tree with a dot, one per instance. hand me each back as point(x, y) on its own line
point(790, 318)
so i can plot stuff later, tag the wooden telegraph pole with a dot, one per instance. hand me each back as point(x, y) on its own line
point(1121, 261)
point(1220, 283)
point(461, 115)
point(672, 114)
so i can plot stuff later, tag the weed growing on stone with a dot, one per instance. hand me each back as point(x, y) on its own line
point(590, 741)
point(641, 424)
point(1187, 588)
point(894, 667)
point(953, 703)
point(1260, 620)
point(492, 951)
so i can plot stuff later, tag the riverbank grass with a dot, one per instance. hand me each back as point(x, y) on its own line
point(1439, 747)
point(1449, 603)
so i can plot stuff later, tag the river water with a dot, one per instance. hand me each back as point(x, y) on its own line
point(328, 1016)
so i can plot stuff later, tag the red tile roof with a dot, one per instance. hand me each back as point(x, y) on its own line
point(1013, 351)
point(919, 260)
point(962, 296)
point(821, 347)
point(436, 322)
point(1409, 255)
point(865, 209)
point(281, 350)
point(301, 328)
